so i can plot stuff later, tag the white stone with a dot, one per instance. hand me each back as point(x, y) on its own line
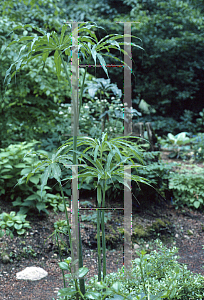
point(136, 246)
point(31, 273)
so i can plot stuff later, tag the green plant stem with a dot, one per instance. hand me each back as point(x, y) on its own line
point(76, 120)
point(56, 235)
point(98, 231)
point(69, 231)
point(82, 90)
point(65, 69)
point(103, 232)
point(77, 287)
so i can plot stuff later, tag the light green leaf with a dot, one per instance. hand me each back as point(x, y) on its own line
point(83, 271)
point(44, 177)
point(58, 61)
point(102, 62)
point(63, 265)
point(34, 179)
point(21, 231)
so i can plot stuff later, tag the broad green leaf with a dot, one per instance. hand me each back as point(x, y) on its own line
point(6, 176)
point(21, 231)
point(20, 165)
point(93, 295)
point(116, 286)
point(63, 265)
point(196, 204)
point(8, 166)
point(83, 271)
point(67, 292)
point(9, 223)
point(41, 206)
point(171, 138)
point(26, 171)
point(18, 226)
point(35, 179)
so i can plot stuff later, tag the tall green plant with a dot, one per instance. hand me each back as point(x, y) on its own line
point(105, 161)
point(44, 44)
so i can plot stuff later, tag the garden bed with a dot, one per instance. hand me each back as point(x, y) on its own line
point(187, 235)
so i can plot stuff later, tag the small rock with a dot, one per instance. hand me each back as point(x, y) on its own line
point(136, 246)
point(5, 259)
point(31, 273)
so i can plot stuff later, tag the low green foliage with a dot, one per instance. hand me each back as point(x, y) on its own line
point(14, 162)
point(187, 186)
point(10, 223)
point(17, 160)
point(157, 275)
point(177, 144)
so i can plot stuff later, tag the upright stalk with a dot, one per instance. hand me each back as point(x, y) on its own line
point(68, 227)
point(103, 232)
point(98, 231)
point(56, 236)
point(76, 120)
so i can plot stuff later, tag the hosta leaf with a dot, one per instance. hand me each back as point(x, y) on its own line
point(18, 226)
point(9, 223)
point(21, 231)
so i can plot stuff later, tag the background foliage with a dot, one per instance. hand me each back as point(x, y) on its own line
point(168, 74)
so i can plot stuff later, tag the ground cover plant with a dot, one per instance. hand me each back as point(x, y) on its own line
point(187, 187)
point(156, 275)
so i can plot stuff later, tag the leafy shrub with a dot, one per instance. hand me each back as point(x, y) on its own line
point(157, 275)
point(18, 160)
point(12, 164)
point(187, 187)
point(11, 223)
point(157, 272)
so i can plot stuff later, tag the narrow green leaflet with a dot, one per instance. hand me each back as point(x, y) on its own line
point(44, 177)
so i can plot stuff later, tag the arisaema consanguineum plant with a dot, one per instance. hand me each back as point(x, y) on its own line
point(42, 44)
point(105, 160)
